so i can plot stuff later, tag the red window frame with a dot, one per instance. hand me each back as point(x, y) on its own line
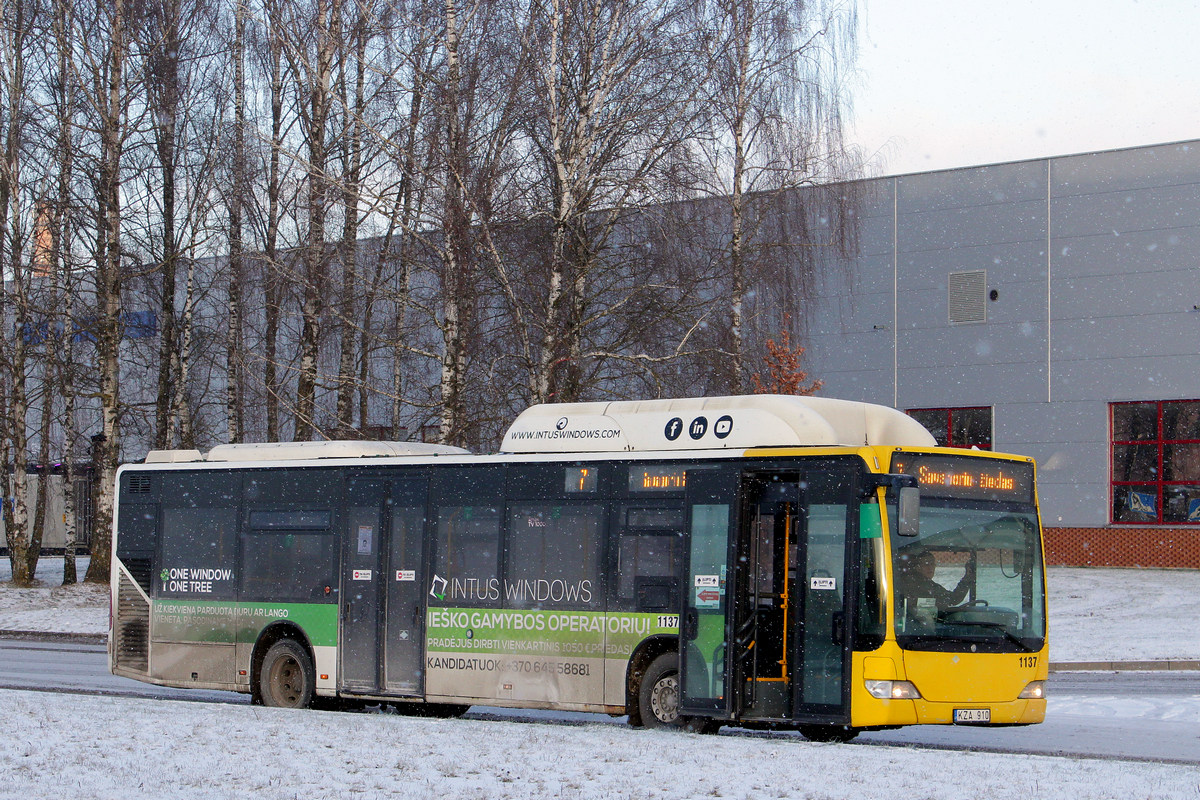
point(1157, 486)
point(946, 435)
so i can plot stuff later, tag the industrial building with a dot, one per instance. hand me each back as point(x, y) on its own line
point(1048, 307)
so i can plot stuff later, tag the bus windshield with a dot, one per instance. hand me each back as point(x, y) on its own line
point(972, 579)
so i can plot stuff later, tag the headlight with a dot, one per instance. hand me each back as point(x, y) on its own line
point(892, 690)
point(1036, 690)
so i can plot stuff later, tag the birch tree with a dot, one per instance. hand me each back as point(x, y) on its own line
point(612, 97)
point(312, 66)
point(16, 38)
point(62, 94)
point(778, 110)
point(237, 200)
point(105, 91)
point(478, 99)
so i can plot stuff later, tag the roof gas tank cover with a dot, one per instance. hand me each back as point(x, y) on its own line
point(302, 451)
point(710, 423)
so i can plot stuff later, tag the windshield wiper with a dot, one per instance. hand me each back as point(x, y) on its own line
point(996, 626)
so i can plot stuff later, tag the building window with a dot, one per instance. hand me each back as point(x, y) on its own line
point(1156, 462)
point(957, 427)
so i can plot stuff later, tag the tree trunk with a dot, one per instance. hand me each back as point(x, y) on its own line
point(108, 291)
point(23, 553)
point(351, 198)
point(315, 258)
point(64, 363)
point(234, 422)
point(455, 248)
point(272, 282)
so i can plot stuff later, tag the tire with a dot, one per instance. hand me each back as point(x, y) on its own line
point(828, 733)
point(658, 694)
point(433, 710)
point(287, 677)
point(708, 727)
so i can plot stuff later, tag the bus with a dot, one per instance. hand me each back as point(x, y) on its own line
point(761, 561)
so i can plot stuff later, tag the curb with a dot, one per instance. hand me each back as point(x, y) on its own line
point(1177, 665)
point(50, 636)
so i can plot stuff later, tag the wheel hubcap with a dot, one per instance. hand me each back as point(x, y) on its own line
point(664, 699)
point(285, 682)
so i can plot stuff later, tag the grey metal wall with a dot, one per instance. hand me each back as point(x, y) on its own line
point(1095, 262)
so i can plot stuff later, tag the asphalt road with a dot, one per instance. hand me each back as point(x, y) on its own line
point(1106, 730)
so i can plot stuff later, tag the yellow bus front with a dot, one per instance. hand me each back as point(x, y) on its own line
point(964, 596)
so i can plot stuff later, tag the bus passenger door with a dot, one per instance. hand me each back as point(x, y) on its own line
point(362, 566)
point(404, 616)
point(764, 601)
point(788, 648)
point(824, 583)
point(703, 630)
point(383, 607)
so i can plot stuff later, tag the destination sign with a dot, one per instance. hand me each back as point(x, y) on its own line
point(656, 477)
point(968, 477)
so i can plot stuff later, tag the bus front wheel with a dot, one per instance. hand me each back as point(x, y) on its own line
point(658, 695)
point(287, 676)
point(828, 733)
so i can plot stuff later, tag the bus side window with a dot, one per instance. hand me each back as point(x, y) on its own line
point(468, 555)
point(649, 553)
point(289, 555)
point(198, 536)
point(553, 556)
point(135, 541)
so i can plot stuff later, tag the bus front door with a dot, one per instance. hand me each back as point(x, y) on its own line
point(383, 610)
point(788, 653)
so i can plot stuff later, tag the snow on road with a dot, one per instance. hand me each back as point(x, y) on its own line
point(59, 745)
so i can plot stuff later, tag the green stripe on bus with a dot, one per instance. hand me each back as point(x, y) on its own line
point(227, 622)
point(512, 631)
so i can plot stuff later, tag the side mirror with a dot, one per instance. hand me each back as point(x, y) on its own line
point(908, 510)
point(908, 500)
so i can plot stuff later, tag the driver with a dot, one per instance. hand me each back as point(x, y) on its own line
point(925, 596)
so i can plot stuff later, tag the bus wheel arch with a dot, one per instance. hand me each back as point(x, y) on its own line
point(301, 653)
point(645, 655)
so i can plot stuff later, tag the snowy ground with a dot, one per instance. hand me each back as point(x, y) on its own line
point(1095, 614)
point(65, 746)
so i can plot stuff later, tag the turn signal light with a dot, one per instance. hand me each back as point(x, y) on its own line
point(892, 690)
point(1036, 690)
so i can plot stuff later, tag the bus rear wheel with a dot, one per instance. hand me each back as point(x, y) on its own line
point(287, 676)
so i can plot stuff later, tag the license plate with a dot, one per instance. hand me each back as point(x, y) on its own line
point(967, 716)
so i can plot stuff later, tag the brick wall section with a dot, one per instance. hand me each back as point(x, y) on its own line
point(1123, 547)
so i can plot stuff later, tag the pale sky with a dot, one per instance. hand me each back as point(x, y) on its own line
point(948, 84)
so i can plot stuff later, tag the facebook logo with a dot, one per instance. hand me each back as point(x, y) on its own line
point(673, 429)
